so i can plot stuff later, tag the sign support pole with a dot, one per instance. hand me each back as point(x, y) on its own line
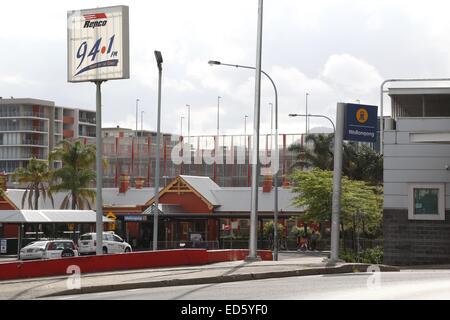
point(99, 167)
point(337, 177)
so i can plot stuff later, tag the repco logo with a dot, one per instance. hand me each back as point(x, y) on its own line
point(95, 20)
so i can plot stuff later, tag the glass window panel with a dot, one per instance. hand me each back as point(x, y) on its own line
point(426, 201)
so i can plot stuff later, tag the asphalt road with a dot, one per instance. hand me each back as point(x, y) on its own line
point(417, 284)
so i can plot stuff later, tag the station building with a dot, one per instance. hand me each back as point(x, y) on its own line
point(417, 177)
point(191, 208)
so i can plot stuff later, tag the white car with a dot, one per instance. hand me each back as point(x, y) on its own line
point(51, 249)
point(112, 243)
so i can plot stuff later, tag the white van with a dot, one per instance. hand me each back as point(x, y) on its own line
point(112, 243)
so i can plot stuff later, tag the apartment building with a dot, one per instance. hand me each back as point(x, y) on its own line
point(416, 218)
point(32, 128)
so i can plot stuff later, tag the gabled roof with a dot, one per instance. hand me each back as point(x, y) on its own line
point(111, 197)
point(201, 186)
point(238, 200)
point(49, 216)
point(204, 186)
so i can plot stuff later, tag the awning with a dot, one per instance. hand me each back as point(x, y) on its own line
point(49, 216)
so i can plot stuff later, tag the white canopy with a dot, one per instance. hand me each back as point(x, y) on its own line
point(49, 216)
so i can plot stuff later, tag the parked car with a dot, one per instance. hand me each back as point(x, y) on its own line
point(49, 249)
point(112, 243)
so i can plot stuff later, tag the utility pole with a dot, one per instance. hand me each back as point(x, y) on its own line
point(307, 124)
point(252, 256)
point(137, 107)
point(159, 61)
point(142, 123)
point(99, 169)
point(337, 177)
point(218, 114)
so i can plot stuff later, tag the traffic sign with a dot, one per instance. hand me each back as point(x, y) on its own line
point(111, 216)
point(360, 123)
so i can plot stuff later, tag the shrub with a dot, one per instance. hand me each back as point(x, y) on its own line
point(371, 256)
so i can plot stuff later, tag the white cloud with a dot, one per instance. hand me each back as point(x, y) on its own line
point(335, 50)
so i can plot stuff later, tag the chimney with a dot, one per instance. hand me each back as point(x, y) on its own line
point(267, 185)
point(124, 183)
point(3, 181)
point(139, 182)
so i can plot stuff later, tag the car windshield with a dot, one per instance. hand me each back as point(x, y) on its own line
point(37, 244)
point(86, 237)
point(60, 245)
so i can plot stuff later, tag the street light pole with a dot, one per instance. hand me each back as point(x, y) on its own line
point(218, 114)
point(189, 126)
point(245, 126)
point(159, 61)
point(181, 130)
point(307, 125)
point(142, 123)
point(99, 169)
point(212, 62)
point(252, 255)
point(137, 107)
point(271, 118)
point(292, 115)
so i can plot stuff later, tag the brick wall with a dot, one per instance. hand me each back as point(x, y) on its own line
point(414, 242)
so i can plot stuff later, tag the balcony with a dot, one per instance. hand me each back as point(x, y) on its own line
point(68, 133)
point(68, 120)
point(17, 114)
point(25, 142)
point(88, 120)
point(39, 129)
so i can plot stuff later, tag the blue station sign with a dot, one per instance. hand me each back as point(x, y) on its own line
point(361, 123)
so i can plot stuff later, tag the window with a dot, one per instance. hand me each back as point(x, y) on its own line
point(427, 202)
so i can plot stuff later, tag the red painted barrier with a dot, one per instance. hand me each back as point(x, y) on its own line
point(235, 255)
point(129, 261)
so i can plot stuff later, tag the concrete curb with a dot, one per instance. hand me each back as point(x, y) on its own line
point(346, 268)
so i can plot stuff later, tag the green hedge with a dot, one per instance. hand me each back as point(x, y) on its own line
point(372, 256)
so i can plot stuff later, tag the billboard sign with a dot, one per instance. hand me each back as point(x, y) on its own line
point(98, 44)
point(360, 123)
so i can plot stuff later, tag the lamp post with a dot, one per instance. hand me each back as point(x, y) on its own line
point(159, 61)
point(137, 108)
point(256, 147)
point(292, 115)
point(218, 115)
point(181, 126)
point(189, 125)
point(307, 124)
point(212, 63)
point(245, 126)
point(142, 123)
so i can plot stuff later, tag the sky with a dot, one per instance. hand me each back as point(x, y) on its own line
point(337, 51)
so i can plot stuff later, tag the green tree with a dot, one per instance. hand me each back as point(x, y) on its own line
point(320, 155)
point(36, 176)
point(360, 162)
point(76, 175)
point(360, 201)
point(268, 230)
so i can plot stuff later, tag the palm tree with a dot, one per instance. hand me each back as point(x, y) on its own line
point(37, 178)
point(360, 162)
point(76, 174)
point(319, 156)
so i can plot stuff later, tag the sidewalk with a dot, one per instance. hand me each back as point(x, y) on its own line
point(290, 264)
